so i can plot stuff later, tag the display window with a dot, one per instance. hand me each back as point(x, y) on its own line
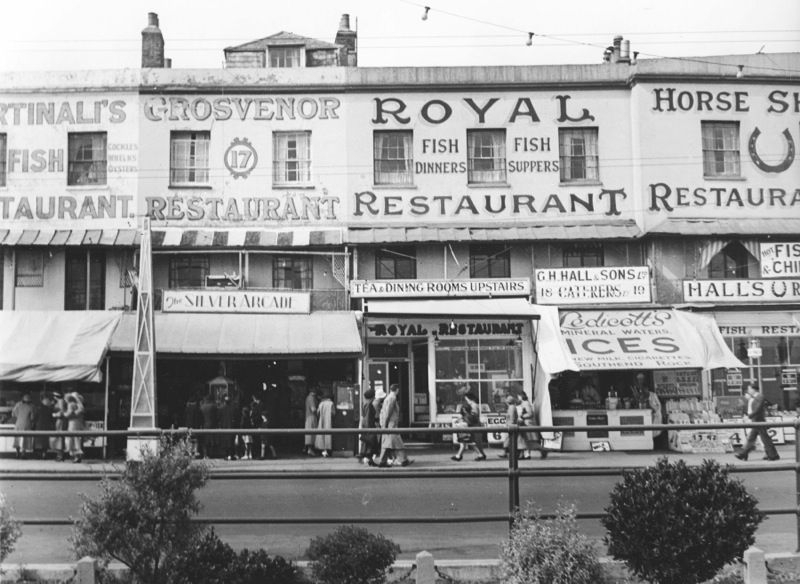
point(488, 368)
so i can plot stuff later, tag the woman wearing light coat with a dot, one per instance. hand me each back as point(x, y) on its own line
point(24, 414)
point(390, 418)
point(74, 415)
point(324, 442)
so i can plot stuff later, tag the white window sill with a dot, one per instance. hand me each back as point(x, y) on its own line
point(725, 178)
point(303, 186)
point(104, 187)
point(191, 186)
point(496, 185)
point(580, 183)
point(395, 186)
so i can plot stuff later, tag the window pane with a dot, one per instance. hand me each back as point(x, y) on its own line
point(29, 269)
point(284, 56)
point(75, 280)
point(490, 261)
point(291, 157)
point(486, 156)
point(578, 154)
point(396, 263)
point(188, 271)
point(189, 162)
point(87, 158)
point(292, 273)
point(720, 149)
point(392, 157)
point(583, 255)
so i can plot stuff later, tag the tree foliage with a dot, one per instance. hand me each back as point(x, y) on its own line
point(9, 529)
point(676, 524)
point(351, 555)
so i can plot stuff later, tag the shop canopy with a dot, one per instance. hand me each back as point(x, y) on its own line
point(645, 338)
point(552, 350)
point(262, 335)
point(54, 346)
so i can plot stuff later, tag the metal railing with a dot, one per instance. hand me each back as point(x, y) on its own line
point(512, 474)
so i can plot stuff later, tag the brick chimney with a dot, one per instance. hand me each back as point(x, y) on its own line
point(152, 43)
point(345, 36)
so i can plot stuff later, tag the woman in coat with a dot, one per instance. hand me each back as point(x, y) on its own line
point(390, 418)
point(24, 414)
point(324, 442)
point(60, 417)
point(44, 422)
point(512, 417)
point(470, 412)
point(368, 419)
point(311, 420)
point(527, 417)
point(74, 415)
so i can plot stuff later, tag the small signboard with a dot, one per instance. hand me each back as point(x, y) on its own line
point(605, 285)
point(734, 380)
point(238, 301)
point(473, 287)
point(780, 260)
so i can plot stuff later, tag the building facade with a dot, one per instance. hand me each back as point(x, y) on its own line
point(493, 229)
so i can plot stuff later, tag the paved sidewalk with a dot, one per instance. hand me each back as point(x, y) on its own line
point(424, 456)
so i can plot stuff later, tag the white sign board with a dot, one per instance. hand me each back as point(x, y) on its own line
point(780, 260)
point(242, 301)
point(606, 285)
point(440, 288)
point(740, 291)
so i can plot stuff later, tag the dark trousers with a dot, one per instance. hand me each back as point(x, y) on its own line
point(750, 445)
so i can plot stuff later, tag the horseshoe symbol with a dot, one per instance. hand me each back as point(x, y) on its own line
point(781, 166)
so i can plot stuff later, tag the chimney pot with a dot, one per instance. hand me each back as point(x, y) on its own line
point(152, 43)
point(152, 19)
point(625, 51)
point(344, 22)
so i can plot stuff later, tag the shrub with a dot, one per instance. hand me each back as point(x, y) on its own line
point(143, 519)
point(548, 551)
point(675, 524)
point(257, 567)
point(351, 555)
point(9, 529)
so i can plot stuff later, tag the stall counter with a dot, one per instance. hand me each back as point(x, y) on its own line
point(602, 440)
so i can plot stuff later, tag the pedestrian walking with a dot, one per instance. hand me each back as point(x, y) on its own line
point(226, 414)
point(527, 417)
point(256, 411)
point(208, 412)
point(75, 423)
point(512, 418)
point(470, 411)
point(246, 439)
point(311, 420)
point(266, 444)
point(755, 412)
point(369, 419)
point(324, 442)
point(60, 417)
point(390, 418)
point(44, 422)
point(24, 414)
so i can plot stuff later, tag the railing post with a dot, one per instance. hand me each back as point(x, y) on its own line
point(513, 475)
point(797, 478)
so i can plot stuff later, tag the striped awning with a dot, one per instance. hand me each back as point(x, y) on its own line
point(62, 237)
point(249, 238)
point(571, 231)
point(711, 226)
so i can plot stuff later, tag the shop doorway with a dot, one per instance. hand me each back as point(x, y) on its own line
point(383, 372)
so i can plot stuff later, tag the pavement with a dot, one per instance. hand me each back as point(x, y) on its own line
point(429, 457)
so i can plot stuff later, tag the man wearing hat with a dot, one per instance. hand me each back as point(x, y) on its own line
point(369, 442)
point(24, 414)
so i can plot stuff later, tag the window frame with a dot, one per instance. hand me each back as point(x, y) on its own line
point(281, 52)
point(3, 159)
point(393, 177)
point(715, 152)
point(84, 279)
point(726, 265)
point(193, 262)
point(588, 159)
point(583, 252)
point(400, 263)
point(483, 176)
point(34, 258)
point(281, 160)
point(197, 171)
point(302, 270)
point(494, 255)
point(83, 172)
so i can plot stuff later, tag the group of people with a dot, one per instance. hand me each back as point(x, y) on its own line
point(207, 414)
point(54, 412)
point(521, 412)
point(318, 416)
point(382, 450)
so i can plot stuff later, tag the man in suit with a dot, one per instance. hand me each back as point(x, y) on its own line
point(755, 412)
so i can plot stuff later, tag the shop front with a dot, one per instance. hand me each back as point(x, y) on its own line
point(623, 357)
point(439, 349)
point(62, 352)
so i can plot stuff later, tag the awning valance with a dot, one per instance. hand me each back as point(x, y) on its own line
point(318, 333)
point(54, 346)
point(646, 338)
point(552, 351)
point(710, 227)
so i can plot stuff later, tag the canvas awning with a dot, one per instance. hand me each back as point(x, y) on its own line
point(645, 338)
point(712, 226)
point(262, 335)
point(53, 346)
point(552, 351)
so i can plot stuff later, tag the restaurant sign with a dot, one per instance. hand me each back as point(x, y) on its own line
point(741, 291)
point(607, 285)
point(239, 301)
point(440, 288)
point(780, 260)
point(630, 339)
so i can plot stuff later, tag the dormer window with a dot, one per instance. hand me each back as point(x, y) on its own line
point(285, 56)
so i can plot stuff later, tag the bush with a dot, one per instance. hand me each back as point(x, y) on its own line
point(143, 519)
point(351, 555)
point(212, 561)
point(9, 529)
point(548, 551)
point(675, 524)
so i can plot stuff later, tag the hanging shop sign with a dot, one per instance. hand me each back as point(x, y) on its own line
point(241, 301)
point(401, 328)
point(607, 285)
point(628, 339)
point(440, 288)
point(738, 291)
point(780, 260)
point(763, 330)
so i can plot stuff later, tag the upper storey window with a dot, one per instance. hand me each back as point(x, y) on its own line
point(486, 156)
point(721, 150)
point(188, 161)
point(578, 154)
point(87, 158)
point(285, 56)
point(393, 158)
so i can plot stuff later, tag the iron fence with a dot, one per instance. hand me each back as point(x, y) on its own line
point(512, 474)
